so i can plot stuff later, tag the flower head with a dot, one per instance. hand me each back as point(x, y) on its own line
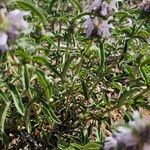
point(96, 28)
point(96, 4)
point(17, 20)
point(90, 28)
point(145, 7)
point(104, 9)
point(110, 143)
point(11, 25)
point(105, 27)
point(135, 136)
point(3, 43)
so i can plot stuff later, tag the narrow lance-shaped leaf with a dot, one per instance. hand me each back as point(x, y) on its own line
point(27, 115)
point(49, 112)
point(17, 99)
point(51, 4)
point(146, 61)
point(3, 110)
point(46, 85)
point(85, 89)
point(44, 61)
point(3, 113)
point(92, 146)
point(77, 4)
point(66, 66)
point(124, 97)
point(25, 78)
point(101, 56)
point(4, 97)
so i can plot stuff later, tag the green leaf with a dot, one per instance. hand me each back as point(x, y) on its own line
point(146, 61)
point(145, 70)
point(3, 109)
point(50, 113)
point(92, 146)
point(27, 115)
point(46, 85)
point(76, 146)
point(31, 6)
point(25, 78)
point(127, 94)
point(101, 57)
point(66, 66)
point(5, 140)
point(52, 3)
point(4, 97)
point(44, 61)
point(123, 14)
point(49, 40)
point(84, 88)
point(81, 15)
point(77, 4)
point(3, 113)
point(17, 99)
point(24, 55)
point(117, 85)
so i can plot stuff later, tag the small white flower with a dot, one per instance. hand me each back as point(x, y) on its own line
point(3, 42)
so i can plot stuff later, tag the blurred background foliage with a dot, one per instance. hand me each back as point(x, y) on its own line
point(58, 91)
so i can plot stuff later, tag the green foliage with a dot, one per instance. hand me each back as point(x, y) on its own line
point(58, 81)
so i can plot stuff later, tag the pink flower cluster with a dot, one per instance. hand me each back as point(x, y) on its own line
point(11, 25)
point(98, 26)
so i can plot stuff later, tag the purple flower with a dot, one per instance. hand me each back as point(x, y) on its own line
point(11, 25)
point(110, 143)
point(124, 136)
point(95, 28)
point(134, 137)
point(105, 27)
point(104, 9)
point(17, 20)
point(145, 7)
point(90, 28)
point(3, 42)
point(12, 33)
point(96, 4)
point(146, 146)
